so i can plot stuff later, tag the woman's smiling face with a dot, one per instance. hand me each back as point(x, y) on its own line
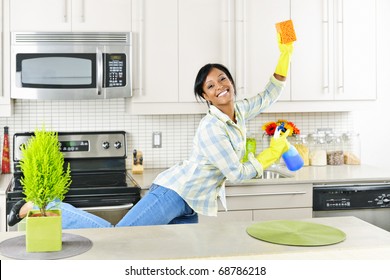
point(218, 89)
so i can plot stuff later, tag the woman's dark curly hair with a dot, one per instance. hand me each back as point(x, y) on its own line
point(202, 75)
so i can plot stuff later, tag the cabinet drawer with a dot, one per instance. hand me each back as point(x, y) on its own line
point(268, 197)
point(282, 214)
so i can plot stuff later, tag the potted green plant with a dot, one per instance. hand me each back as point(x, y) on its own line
point(45, 179)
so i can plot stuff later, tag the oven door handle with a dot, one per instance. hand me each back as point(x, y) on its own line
point(118, 207)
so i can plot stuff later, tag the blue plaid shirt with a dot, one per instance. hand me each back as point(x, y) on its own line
point(218, 147)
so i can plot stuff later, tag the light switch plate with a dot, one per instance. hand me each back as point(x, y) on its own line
point(156, 140)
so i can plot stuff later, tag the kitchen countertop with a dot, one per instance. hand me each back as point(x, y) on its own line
point(307, 174)
point(226, 241)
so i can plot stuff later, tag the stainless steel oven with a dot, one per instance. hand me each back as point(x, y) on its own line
point(100, 182)
point(367, 201)
point(70, 65)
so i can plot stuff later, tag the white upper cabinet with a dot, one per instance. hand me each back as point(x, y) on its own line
point(173, 39)
point(40, 15)
point(334, 60)
point(5, 99)
point(155, 49)
point(335, 52)
point(70, 15)
point(205, 36)
point(357, 60)
point(1, 55)
point(331, 61)
point(257, 51)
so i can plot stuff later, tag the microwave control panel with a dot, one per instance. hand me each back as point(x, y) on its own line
point(115, 72)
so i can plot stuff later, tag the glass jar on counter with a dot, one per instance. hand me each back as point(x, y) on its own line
point(317, 149)
point(351, 143)
point(335, 149)
point(300, 142)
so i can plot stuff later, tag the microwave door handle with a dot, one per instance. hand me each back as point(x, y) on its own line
point(99, 72)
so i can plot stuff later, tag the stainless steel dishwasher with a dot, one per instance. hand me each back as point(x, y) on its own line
point(369, 202)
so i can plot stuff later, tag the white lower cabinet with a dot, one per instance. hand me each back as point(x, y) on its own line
point(265, 202)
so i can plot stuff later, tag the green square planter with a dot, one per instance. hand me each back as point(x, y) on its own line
point(43, 234)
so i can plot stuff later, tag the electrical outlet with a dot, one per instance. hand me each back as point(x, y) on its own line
point(156, 140)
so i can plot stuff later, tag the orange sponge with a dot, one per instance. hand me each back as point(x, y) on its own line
point(286, 31)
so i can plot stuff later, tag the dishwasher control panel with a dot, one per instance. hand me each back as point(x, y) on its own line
point(345, 197)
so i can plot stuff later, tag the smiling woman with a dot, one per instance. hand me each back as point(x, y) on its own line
point(201, 78)
point(191, 187)
point(218, 90)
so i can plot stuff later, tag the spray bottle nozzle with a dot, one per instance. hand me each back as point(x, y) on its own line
point(279, 129)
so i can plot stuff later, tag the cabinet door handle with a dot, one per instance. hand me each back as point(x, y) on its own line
point(265, 194)
point(325, 24)
point(141, 44)
point(82, 15)
point(241, 47)
point(229, 36)
point(340, 47)
point(65, 10)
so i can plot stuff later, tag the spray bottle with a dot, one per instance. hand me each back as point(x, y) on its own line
point(292, 158)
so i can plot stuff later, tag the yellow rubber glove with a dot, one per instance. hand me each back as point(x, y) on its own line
point(277, 147)
point(286, 51)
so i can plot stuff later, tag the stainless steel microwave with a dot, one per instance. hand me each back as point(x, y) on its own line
point(69, 65)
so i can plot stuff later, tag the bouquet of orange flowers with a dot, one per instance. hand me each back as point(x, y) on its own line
point(270, 127)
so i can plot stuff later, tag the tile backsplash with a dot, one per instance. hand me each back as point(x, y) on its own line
point(177, 130)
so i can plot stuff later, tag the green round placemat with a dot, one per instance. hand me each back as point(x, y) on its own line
point(296, 233)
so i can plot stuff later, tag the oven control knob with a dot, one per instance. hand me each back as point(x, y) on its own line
point(106, 145)
point(118, 145)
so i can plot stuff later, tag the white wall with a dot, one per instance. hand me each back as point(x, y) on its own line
point(374, 125)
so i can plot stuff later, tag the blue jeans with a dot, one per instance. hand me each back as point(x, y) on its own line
point(160, 206)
